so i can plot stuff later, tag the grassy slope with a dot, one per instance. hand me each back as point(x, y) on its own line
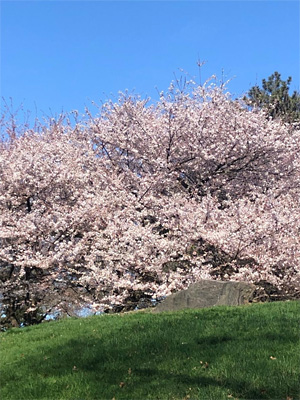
point(248, 352)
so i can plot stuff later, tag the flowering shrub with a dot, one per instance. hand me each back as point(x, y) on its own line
point(141, 201)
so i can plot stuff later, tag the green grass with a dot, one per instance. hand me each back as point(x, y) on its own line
point(246, 352)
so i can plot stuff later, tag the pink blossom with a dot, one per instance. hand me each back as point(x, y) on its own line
point(94, 213)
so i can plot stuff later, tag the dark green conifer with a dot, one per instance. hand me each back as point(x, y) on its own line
point(274, 97)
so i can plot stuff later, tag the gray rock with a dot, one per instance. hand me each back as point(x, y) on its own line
point(207, 293)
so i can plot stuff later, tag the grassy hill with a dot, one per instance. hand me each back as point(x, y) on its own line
point(246, 352)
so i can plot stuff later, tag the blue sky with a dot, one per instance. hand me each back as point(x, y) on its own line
point(61, 55)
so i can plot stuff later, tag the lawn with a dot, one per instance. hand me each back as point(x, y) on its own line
point(245, 352)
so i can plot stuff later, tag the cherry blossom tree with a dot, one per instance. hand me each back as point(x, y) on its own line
point(126, 207)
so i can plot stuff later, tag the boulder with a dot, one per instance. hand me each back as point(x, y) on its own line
point(208, 293)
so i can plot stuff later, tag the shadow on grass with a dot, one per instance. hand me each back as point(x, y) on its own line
point(162, 357)
point(105, 369)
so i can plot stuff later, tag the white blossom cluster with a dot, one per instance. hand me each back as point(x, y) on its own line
point(94, 213)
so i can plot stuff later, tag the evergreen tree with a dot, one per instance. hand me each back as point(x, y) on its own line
point(274, 97)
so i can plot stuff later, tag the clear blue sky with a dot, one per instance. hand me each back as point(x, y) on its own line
point(61, 55)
